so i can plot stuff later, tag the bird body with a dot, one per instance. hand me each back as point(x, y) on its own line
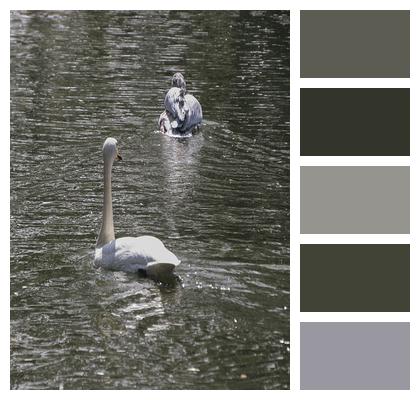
point(183, 113)
point(136, 254)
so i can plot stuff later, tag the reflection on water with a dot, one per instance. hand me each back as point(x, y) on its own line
point(219, 200)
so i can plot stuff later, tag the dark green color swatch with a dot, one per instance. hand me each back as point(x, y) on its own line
point(355, 44)
point(355, 122)
point(355, 277)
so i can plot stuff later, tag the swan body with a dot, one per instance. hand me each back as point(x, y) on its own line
point(183, 113)
point(145, 254)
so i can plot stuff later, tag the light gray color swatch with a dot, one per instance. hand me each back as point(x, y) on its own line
point(355, 44)
point(355, 355)
point(359, 200)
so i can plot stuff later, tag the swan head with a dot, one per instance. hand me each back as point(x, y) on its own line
point(179, 81)
point(110, 150)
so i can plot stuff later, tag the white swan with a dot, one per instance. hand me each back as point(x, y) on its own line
point(146, 254)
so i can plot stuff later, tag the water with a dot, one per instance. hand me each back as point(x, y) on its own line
point(219, 200)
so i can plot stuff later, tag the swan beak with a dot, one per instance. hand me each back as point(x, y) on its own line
point(118, 156)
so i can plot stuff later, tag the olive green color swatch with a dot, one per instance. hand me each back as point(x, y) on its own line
point(355, 278)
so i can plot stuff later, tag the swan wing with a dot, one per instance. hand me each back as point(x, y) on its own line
point(195, 113)
point(172, 105)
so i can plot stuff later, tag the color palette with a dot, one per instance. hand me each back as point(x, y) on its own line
point(354, 217)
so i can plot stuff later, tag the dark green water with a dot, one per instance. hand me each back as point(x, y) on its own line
point(219, 200)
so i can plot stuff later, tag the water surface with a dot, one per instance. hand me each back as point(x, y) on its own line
point(219, 200)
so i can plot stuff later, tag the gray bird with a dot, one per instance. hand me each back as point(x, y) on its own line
point(183, 113)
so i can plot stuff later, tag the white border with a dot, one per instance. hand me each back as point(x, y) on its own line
point(354, 82)
point(309, 238)
point(294, 198)
point(354, 161)
point(296, 161)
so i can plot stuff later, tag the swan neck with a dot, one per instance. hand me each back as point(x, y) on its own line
point(106, 233)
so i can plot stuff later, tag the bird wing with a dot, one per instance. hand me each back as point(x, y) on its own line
point(195, 113)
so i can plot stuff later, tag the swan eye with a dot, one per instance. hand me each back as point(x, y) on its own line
point(181, 103)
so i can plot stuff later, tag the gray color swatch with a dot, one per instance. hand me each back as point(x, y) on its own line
point(355, 277)
point(355, 44)
point(355, 200)
point(355, 355)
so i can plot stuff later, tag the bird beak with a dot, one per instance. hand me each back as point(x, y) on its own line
point(118, 156)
